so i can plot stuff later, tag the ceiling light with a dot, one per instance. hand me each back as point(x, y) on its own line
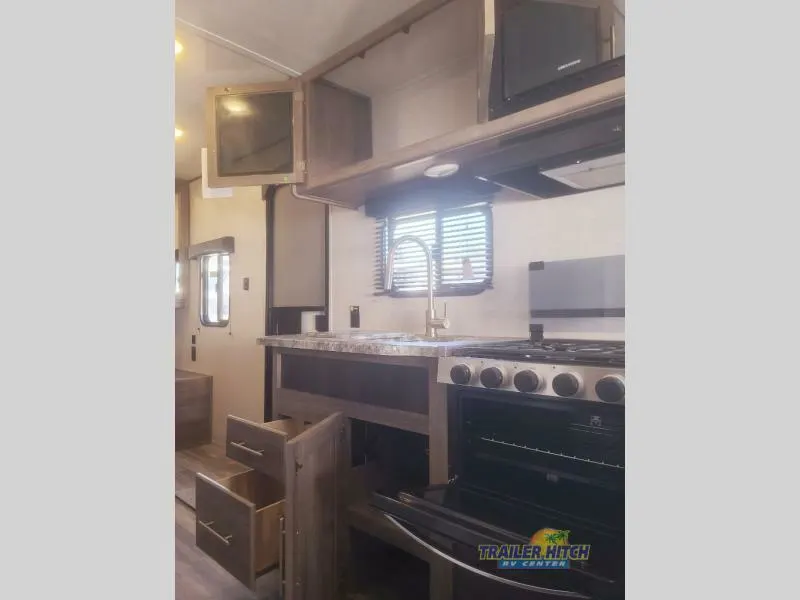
point(178, 133)
point(236, 107)
point(443, 170)
point(178, 47)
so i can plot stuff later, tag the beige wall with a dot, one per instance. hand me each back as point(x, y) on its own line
point(229, 354)
point(525, 230)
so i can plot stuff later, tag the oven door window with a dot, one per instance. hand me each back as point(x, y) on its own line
point(545, 450)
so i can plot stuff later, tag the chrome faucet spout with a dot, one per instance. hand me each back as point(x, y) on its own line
point(432, 324)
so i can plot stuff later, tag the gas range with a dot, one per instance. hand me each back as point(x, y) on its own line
point(591, 370)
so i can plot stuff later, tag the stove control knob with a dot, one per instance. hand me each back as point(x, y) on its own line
point(610, 388)
point(566, 384)
point(460, 374)
point(527, 381)
point(492, 377)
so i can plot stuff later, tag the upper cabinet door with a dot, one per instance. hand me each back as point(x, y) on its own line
point(485, 58)
point(314, 461)
point(255, 134)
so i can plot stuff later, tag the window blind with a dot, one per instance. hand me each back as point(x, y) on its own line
point(460, 240)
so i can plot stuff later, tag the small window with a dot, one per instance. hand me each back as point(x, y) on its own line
point(460, 240)
point(177, 278)
point(215, 295)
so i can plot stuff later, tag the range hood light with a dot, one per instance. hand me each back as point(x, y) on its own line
point(442, 170)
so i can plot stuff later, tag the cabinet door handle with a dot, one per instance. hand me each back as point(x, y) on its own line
point(225, 539)
point(612, 37)
point(252, 451)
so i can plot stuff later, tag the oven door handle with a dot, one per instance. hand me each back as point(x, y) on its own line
point(476, 571)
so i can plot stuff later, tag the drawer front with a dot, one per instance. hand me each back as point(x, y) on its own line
point(257, 447)
point(225, 529)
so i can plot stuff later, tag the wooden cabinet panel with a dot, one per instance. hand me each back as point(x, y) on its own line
point(313, 493)
point(245, 522)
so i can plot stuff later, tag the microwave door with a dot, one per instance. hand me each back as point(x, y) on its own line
point(544, 41)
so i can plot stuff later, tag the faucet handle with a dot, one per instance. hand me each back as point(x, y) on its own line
point(440, 322)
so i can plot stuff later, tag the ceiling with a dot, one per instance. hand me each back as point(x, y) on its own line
point(256, 41)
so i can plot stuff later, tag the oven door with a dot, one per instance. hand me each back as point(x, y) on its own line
point(454, 521)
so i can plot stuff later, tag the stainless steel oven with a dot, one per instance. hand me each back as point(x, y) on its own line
point(523, 463)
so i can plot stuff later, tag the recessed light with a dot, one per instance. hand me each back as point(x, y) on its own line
point(178, 47)
point(178, 133)
point(442, 170)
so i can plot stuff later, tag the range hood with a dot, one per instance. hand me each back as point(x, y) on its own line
point(577, 156)
point(590, 174)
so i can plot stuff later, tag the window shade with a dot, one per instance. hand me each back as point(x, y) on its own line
point(460, 240)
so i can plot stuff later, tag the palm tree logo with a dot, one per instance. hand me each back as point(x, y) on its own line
point(557, 538)
point(546, 538)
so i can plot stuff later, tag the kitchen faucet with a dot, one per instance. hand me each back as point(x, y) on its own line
point(432, 323)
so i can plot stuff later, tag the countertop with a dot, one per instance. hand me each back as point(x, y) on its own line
point(181, 375)
point(376, 343)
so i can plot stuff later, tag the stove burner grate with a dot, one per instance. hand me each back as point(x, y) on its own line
point(565, 351)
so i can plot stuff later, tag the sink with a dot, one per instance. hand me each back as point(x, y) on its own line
point(322, 334)
point(353, 335)
point(410, 337)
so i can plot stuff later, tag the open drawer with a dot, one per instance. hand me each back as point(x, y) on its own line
point(295, 486)
point(239, 523)
point(261, 446)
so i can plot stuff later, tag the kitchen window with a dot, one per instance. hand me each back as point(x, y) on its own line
point(460, 239)
point(215, 294)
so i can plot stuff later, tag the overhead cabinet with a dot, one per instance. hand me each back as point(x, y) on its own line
point(420, 90)
point(255, 134)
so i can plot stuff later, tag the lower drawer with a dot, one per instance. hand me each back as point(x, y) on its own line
point(239, 522)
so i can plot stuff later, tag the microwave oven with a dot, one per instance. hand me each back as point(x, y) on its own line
point(545, 49)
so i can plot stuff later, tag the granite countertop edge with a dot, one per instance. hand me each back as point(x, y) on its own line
point(371, 347)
